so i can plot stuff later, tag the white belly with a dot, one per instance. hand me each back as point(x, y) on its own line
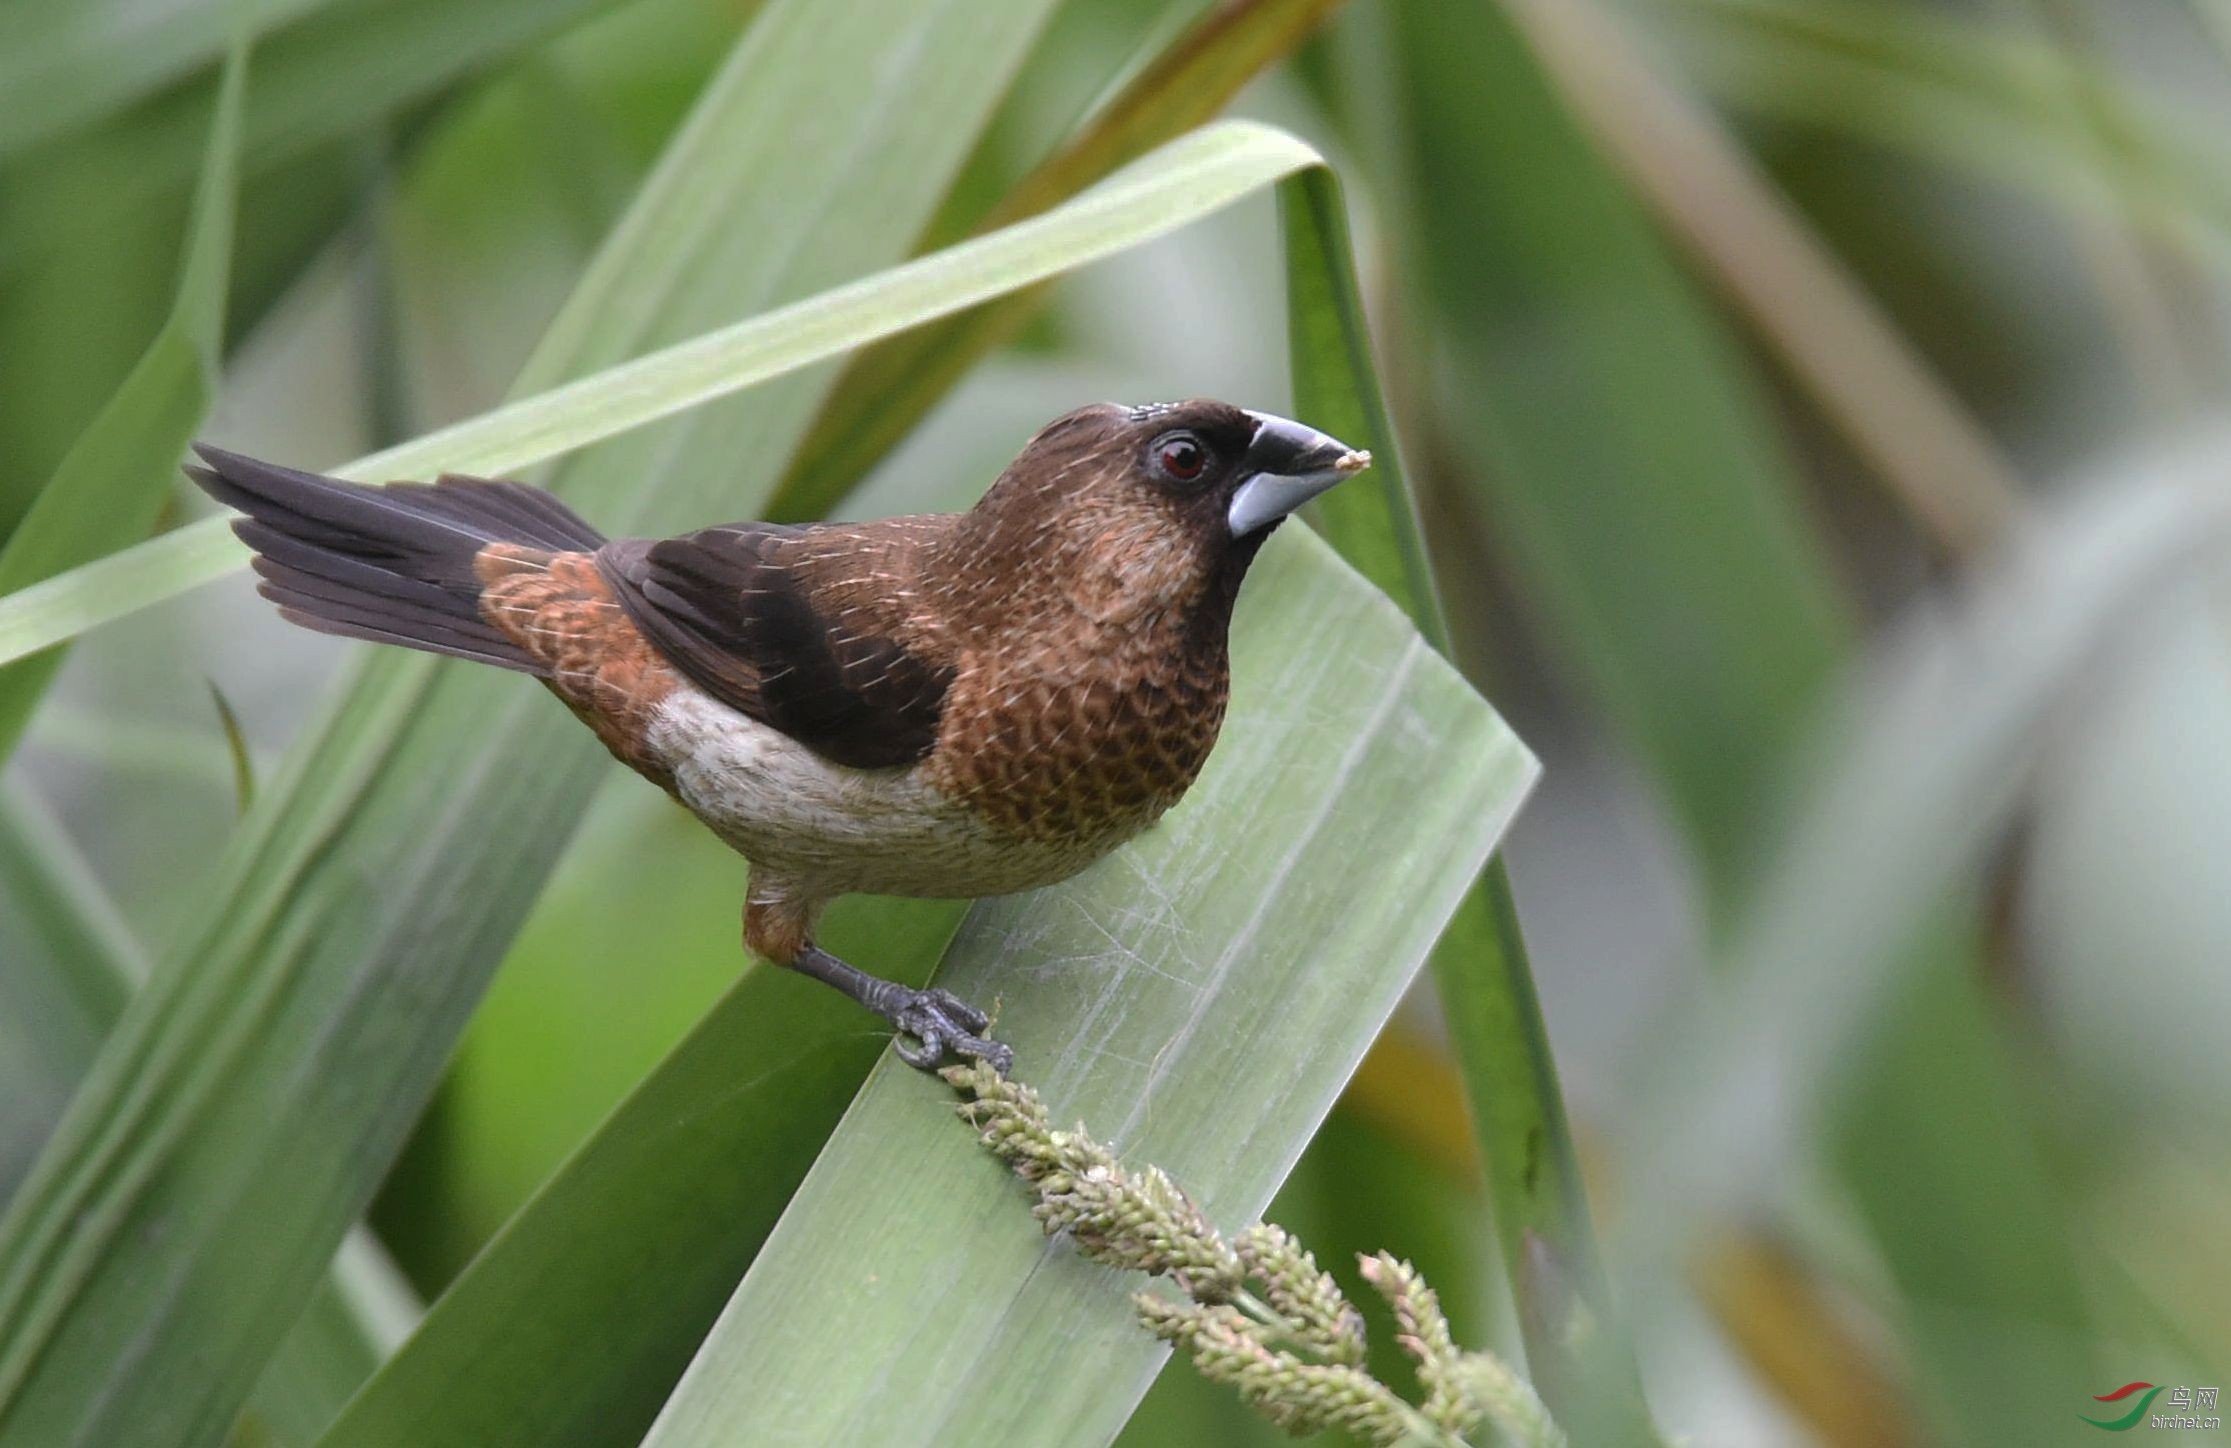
point(831, 829)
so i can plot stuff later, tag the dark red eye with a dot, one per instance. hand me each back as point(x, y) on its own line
point(1181, 456)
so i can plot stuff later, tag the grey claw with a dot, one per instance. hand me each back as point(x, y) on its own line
point(1001, 1057)
point(954, 1008)
point(923, 1057)
point(997, 1054)
point(943, 1024)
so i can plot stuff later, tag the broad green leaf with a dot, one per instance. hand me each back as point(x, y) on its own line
point(113, 483)
point(1186, 180)
point(252, 1095)
point(1200, 998)
point(1576, 1347)
point(888, 389)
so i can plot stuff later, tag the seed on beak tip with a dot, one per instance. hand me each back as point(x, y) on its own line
point(1355, 460)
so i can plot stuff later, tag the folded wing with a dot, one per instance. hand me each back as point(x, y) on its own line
point(815, 630)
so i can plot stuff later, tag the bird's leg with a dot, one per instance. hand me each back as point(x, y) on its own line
point(940, 1022)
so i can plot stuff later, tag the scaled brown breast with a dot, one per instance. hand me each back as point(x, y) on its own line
point(1096, 678)
point(1062, 755)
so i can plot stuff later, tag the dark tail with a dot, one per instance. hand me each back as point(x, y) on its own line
point(393, 564)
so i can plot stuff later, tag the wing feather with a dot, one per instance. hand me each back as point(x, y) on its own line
point(796, 627)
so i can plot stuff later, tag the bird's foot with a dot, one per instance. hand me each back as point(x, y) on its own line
point(942, 1024)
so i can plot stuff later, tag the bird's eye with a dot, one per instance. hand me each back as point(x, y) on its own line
point(1181, 456)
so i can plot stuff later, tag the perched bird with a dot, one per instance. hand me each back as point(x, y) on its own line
point(954, 704)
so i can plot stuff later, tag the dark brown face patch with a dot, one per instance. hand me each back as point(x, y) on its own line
point(559, 610)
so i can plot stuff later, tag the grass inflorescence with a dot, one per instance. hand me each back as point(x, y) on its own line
point(1256, 1312)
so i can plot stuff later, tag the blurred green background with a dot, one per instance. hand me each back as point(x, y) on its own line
point(1814, 407)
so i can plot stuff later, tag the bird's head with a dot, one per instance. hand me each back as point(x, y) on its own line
point(1138, 509)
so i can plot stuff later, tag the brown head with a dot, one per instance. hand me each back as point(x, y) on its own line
point(1130, 513)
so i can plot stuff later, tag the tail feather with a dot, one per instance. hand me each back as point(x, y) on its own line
point(336, 594)
point(392, 564)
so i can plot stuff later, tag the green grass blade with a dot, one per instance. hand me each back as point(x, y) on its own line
point(115, 481)
point(1373, 523)
point(68, 963)
point(1185, 180)
point(887, 390)
point(1985, 98)
point(1649, 538)
point(313, 85)
point(93, 214)
point(574, 1323)
point(1911, 780)
point(1201, 998)
point(254, 1092)
point(359, 1313)
point(51, 613)
point(1576, 1348)
point(63, 65)
point(236, 749)
point(1869, 382)
point(1668, 556)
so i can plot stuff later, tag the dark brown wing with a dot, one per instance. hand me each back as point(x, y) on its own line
point(812, 630)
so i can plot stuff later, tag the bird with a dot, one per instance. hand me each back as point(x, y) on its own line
point(951, 705)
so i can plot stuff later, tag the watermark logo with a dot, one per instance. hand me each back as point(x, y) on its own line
point(2184, 1408)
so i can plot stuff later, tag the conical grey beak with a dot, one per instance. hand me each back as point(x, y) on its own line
point(1287, 465)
